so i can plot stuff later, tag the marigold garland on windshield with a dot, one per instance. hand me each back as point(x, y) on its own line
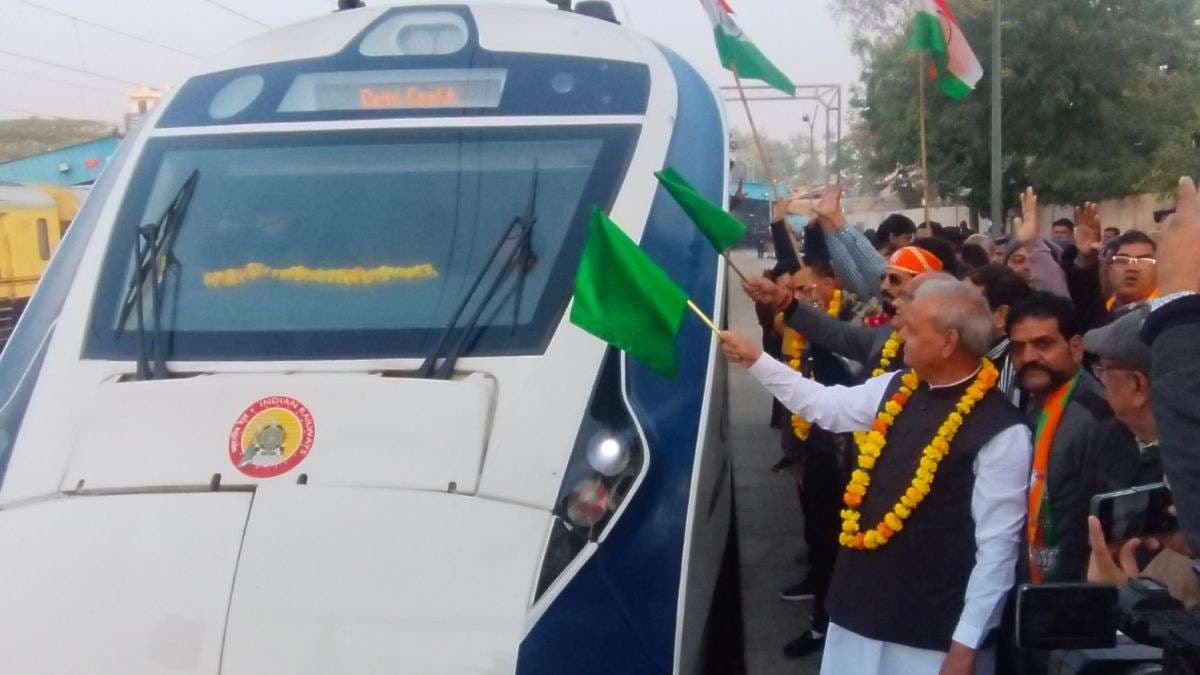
point(346, 276)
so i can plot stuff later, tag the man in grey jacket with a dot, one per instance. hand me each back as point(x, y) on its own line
point(1066, 403)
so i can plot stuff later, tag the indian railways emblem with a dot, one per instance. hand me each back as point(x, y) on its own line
point(271, 437)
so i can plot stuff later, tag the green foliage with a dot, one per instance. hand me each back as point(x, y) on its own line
point(23, 137)
point(1100, 101)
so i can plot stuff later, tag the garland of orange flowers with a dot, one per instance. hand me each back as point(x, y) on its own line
point(349, 276)
point(890, 349)
point(870, 447)
point(793, 347)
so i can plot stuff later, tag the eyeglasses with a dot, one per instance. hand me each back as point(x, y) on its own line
point(1099, 370)
point(1130, 261)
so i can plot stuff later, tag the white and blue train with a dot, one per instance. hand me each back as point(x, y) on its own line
point(298, 393)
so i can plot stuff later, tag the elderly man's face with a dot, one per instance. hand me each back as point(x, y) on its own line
point(1126, 389)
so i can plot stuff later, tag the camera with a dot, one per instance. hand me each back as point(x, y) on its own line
point(1087, 629)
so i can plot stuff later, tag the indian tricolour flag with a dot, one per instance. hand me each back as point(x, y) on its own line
point(936, 31)
point(738, 53)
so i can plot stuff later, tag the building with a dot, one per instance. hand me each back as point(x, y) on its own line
point(141, 102)
point(78, 164)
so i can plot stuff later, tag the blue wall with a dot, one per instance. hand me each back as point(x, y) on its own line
point(44, 168)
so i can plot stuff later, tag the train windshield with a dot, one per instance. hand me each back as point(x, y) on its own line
point(356, 245)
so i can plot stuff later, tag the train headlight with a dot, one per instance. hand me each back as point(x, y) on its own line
point(608, 455)
point(600, 476)
point(588, 503)
point(418, 34)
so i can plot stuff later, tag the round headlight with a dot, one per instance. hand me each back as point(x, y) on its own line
point(608, 455)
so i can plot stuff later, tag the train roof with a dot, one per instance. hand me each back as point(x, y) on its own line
point(503, 27)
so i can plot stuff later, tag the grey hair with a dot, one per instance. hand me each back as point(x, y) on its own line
point(982, 241)
point(962, 308)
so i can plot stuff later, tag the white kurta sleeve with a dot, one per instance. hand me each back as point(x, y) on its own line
point(999, 506)
point(837, 409)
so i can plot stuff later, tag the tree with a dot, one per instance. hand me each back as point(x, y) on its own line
point(781, 155)
point(29, 136)
point(1100, 101)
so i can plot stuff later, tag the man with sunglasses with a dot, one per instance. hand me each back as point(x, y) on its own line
point(1132, 271)
point(876, 348)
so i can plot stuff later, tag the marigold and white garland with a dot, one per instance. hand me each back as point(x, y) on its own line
point(347, 276)
point(870, 448)
point(890, 349)
point(793, 348)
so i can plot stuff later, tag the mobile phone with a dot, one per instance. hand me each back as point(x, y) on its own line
point(1137, 512)
point(1067, 616)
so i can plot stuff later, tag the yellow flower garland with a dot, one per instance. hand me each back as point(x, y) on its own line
point(793, 347)
point(890, 349)
point(348, 276)
point(870, 447)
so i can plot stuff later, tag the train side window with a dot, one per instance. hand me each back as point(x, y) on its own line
point(43, 238)
point(62, 228)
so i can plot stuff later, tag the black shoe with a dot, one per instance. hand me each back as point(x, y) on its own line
point(808, 643)
point(797, 592)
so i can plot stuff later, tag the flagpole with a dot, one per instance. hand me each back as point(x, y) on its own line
point(921, 70)
point(735, 267)
point(762, 157)
point(703, 317)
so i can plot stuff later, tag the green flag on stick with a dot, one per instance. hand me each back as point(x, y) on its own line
point(721, 228)
point(625, 299)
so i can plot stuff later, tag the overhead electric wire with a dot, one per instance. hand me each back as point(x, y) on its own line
point(43, 78)
point(110, 29)
point(77, 69)
point(234, 12)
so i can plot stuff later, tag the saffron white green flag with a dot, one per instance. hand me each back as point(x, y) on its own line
point(738, 53)
point(936, 31)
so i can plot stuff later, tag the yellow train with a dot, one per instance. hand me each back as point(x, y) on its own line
point(33, 220)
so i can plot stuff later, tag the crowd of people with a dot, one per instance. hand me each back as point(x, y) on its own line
point(949, 404)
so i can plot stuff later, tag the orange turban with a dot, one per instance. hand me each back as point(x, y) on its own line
point(914, 260)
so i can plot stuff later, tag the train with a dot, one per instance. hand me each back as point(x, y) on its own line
point(298, 392)
point(33, 220)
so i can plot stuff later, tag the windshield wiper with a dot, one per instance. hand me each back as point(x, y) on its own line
point(153, 247)
point(522, 259)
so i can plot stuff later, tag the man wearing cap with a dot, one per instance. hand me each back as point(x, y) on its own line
point(1123, 452)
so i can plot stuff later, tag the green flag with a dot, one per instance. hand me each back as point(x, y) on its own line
point(625, 299)
point(721, 228)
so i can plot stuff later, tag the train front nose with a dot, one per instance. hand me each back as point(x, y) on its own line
point(351, 580)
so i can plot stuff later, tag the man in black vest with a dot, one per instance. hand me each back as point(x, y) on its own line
point(931, 529)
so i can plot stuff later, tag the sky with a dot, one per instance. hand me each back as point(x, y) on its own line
point(81, 58)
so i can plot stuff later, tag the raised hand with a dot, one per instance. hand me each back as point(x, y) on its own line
point(1179, 248)
point(828, 208)
point(1087, 233)
point(763, 291)
point(779, 209)
point(1027, 225)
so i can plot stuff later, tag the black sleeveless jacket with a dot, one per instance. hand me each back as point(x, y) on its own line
point(911, 591)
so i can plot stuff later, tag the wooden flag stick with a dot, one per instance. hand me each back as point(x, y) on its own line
point(762, 157)
point(921, 71)
point(704, 317)
point(735, 267)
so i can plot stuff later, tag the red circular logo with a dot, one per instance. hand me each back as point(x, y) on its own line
point(271, 437)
